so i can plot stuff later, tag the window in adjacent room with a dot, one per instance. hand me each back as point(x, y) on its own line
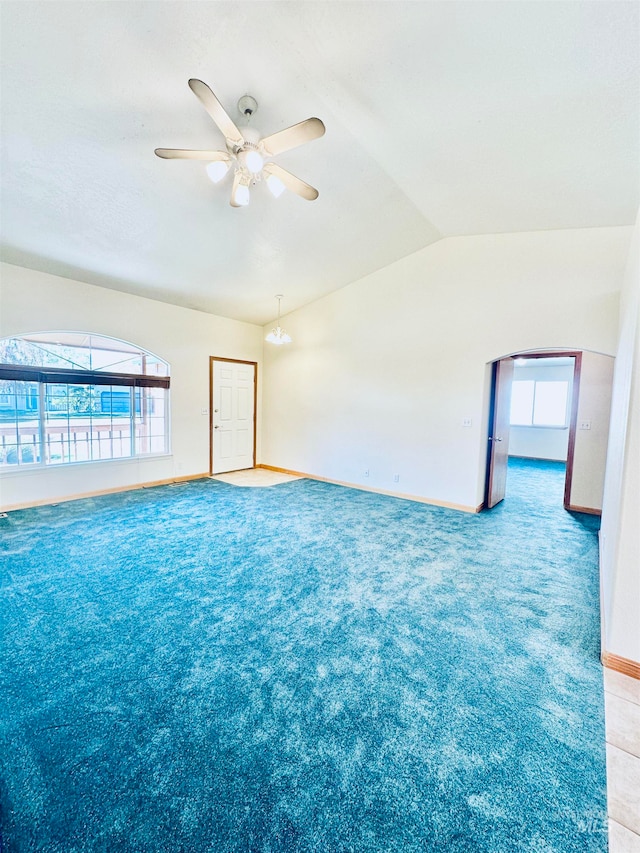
point(539, 403)
point(70, 397)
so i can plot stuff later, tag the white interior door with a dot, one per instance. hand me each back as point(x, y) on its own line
point(233, 415)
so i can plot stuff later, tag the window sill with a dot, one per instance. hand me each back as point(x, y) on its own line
point(536, 426)
point(22, 470)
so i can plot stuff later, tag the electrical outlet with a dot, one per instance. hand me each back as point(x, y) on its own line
point(396, 478)
point(366, 473)
point(585, 424)
point(466, 422)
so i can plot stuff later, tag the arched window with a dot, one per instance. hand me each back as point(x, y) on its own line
point(69, 397)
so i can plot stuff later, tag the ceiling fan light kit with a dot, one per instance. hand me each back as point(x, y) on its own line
point(218, 169)
point(248, 153)
point(275, 185)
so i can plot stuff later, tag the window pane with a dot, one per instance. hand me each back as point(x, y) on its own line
point(157, 444)
point(28, 419)
point(550, 406)
point(9, 455)
point(121, 438)
point(79, 351)
point(56, 398)
point(59, 442)
point(79, 421)
point(87, 422)
point(151, 427)
point(8, 424)
point(156, 426)
point(57, 445)
point(111, 422)
point(115, 400)
point(79, 441)
point(522, 403)
point(19, 423)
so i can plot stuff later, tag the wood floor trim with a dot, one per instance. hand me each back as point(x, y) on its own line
point(620, 664)
point(402, 496)
point(586, 509)
point(147, 485)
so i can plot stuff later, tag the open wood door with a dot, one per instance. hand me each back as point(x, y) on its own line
point(498, 450)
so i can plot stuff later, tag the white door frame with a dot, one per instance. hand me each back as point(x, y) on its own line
point(212, 359)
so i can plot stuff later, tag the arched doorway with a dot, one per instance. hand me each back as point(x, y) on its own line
point(551, 407)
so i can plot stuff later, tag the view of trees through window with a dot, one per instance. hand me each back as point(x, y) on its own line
point(58, 405)
point(77, 351)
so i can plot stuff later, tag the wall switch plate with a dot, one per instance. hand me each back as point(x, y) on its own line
point(585, 424)
point(204, 411)
point(396, 478)
point(466, 422)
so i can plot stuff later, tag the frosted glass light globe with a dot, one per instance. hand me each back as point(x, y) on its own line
point(254, 162)
point(217, 170)
point(275, 186)
point(242, 195)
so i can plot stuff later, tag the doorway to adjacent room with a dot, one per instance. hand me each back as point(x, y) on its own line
point(553, 407)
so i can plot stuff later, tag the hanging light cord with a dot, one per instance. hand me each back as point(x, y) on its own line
point(278, 335)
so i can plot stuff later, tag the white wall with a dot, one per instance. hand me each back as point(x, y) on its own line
point(590, 451)
point(541, 442)
point(620, 533)
point(36, 302)
point(382, 372)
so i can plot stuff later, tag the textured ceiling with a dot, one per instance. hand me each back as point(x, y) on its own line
point(442, 119)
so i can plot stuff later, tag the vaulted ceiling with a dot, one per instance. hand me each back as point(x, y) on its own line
point(443, 118)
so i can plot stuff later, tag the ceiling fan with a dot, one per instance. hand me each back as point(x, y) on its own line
point(247, 153)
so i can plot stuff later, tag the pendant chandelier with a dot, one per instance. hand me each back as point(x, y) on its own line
point(278, 335)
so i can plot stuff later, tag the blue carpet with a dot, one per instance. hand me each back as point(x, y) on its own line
point(213, 669)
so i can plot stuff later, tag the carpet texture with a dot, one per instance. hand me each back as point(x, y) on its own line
point(307, 667)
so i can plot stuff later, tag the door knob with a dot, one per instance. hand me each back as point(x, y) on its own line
point(217, 426)
point(498, 438)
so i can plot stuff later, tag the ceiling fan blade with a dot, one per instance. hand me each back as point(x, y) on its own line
point(296, 185)
point(234, 189)
point(217, 112)
point(292, 137)
point(185, 154)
